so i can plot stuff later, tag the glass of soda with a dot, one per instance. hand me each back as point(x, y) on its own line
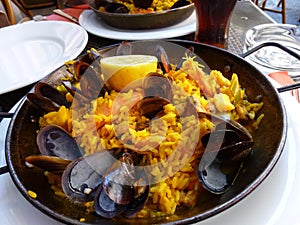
point(213, 19)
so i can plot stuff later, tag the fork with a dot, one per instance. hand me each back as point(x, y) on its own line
point(296, 92)
point(293, 88)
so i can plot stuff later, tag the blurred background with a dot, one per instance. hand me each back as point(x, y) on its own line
point(292, 11)
point(292, 8)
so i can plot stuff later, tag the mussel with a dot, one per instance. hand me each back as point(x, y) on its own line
point(47, 98)
point(52, 164)
point(144, 4)
point(111, 7)
point(57, 149)
point(225, 149)
point(163, 59)
point(124, 190)
point(158, 92)
point(53, 140)
point(180, 3)
point(83, 176)
point(147, 3)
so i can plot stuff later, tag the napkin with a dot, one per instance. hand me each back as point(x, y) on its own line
point(283, 78)
point(74, 11)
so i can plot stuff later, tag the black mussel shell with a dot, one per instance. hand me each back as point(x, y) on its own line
point(41, 103)
point(150, 107)
point(144, 4)
point(116, 8)
point(218, 177)
point(47, 163)
point(141, 192)
point(125, 189)
point(180, 3)
point(228, 143)
point(163, 59)
point(48, 91)
point(106, 207)
point(53, 140)
point(83, 176)
point(157, 85)
point(118, 180)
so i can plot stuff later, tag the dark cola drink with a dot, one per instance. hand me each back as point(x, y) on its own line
point(213, 18)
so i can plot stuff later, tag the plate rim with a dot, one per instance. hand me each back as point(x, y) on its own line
point(50, 23)
point(135, 35)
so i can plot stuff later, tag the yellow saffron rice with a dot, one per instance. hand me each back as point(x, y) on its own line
point(156, 6)
point(175, 185)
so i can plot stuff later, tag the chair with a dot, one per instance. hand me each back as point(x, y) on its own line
point(282, 3)
point(4, 22)
point(27, 5)
point(8, 16)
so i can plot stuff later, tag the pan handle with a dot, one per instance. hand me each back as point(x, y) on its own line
point(291, 52)
point(266, 44)
point(6, 115)
point(3, 170)
point(289, 87)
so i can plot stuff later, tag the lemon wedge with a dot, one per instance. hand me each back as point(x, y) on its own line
point(120, 71)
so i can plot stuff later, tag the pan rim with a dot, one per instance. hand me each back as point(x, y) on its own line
point(213, 211)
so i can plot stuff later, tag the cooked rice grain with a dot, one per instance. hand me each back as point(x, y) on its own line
point(164, 143)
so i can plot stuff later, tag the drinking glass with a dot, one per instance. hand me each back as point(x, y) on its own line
point(213, 18)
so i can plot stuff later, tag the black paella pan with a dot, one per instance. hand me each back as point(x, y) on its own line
point(269, 141)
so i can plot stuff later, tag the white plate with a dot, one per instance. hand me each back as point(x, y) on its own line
point(31, 50)
point(274, 202)
point(94, 25)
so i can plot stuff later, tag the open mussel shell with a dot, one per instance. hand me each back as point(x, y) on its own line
point(158, 93)
point(48, 91)
point(53, 140)
point(46, 98)
point(163, 59)
point(144, 4)
point(228, 144)
point(112, 7)
point(155, 84)
point(228, 141)
point(225, 150)
point(180, 3)
point(124, 190)
point(91, 84)
point(219, 176)
point(106, 207)
point(47, 163)
point(151, 106)
point(118, 179)
point(141, 193)
point(41, 103)
point(83, 176)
